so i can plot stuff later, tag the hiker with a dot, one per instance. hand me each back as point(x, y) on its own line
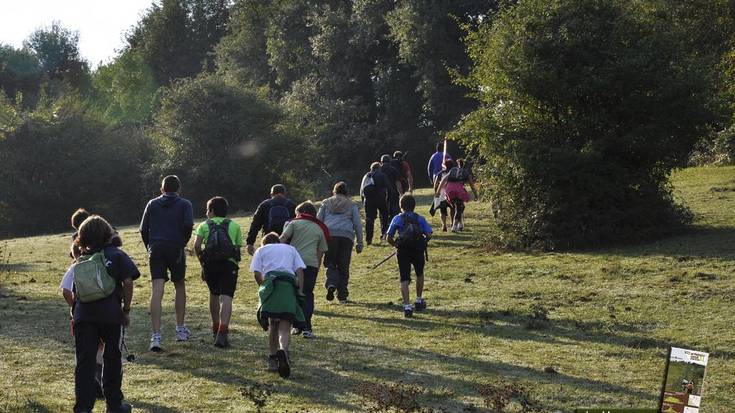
point(413, 235)
point(271, 215)
point(342, 218)
point(310, 237)
point(166, 228)
point(453, 183)
point(436, 162)
point(67, 291)
point(217, 245)
point(279, 271)
point(394, 185)
point(374, 193)
point(446, 210)
point(103, 291)
point(76, 220)
point(404, 172)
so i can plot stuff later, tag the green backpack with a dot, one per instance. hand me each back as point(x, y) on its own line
point(92, 282)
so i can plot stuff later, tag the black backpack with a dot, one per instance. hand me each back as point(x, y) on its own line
point(457, 174)
point(278, 215)
point(411, 236)
point(219, 246)
point(370, 190)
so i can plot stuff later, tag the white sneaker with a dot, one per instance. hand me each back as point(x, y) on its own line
point(155, 344)
point(182, 334)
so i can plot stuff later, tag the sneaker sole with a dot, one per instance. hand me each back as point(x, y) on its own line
point(284, 369)
point(155, 349)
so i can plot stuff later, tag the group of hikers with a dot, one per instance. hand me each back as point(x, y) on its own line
point(98, 286)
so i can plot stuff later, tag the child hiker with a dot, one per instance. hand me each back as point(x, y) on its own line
point(279, 271)
point(413, 234)
point(103, 290)
point(222, 241)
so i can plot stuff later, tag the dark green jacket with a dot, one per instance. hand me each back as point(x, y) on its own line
point(280, 298)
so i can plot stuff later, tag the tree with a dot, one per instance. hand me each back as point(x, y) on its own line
point(222, 139)
point(20, 75)
point(57, 49)
point(177, 37)
point(586, 106)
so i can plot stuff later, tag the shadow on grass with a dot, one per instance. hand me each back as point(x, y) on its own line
point(137, 404)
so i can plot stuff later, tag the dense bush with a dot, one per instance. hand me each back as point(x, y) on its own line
point(221, 139)
point(61, 158)
point(587, 105)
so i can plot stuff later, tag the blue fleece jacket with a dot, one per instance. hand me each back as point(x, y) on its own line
point(168, 218)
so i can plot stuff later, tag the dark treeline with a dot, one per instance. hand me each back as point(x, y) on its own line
point(577, 110)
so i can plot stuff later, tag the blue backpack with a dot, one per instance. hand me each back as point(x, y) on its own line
point(278, 215)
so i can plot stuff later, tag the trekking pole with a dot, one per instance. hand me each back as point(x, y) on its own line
point(384, 260)
point(129, 357)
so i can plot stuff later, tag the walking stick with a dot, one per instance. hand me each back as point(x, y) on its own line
point(384, 260)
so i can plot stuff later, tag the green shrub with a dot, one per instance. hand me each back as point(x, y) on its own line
point(587, 106)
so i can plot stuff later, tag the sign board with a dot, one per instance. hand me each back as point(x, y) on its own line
point(683, 381)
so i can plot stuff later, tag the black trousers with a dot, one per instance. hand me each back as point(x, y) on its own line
point(372, 209)
point(87, 337)
point(337, 262)
point(310, 274)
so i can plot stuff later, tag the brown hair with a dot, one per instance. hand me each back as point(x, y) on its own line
point(270, 238)
point(78, 217)
point(340, 188)
point(218, 206)
point(306, 207)
point(94, 233)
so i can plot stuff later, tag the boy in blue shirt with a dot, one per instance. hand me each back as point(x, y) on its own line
point(413, 234)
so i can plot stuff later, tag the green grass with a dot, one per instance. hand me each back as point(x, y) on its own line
point(611, 316)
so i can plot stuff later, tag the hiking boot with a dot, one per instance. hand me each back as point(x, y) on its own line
point(343, 302)
point(420, 305)
point(155, 344)
point(330, 292)
point(123, 407)
point(407, 311)
point(308, 334)
point(272, 363)
point(284, 368)
point(221, 340)
point(182, 333)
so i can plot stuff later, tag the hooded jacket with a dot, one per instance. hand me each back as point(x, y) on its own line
point(168, 218)
point(342, 217)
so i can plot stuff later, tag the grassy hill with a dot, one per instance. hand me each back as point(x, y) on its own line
point(575, 329)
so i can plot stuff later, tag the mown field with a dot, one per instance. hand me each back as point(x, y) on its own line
point(587, 328)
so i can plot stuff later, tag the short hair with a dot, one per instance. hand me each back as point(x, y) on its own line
point(306, 207)
point(440, 146)
point(270, 238)
point(78, 217)
point(94, 233)
point(340, 188)
point(398, 154)
point(407, 202)
point(278, 189)
point(171, 183)
point(385, 158)
point(374, 166)
point(218, 205)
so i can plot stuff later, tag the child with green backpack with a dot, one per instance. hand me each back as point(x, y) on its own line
point(413, 235)
point(103, 291)
point(222, 240)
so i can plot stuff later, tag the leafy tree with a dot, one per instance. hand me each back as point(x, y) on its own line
point(125, 91)
point(586, 106)
point(223, 140)
point(176, 37)
point(20, 74)
point(57, 49)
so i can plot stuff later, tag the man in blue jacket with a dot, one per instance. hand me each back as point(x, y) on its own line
point(166, 228)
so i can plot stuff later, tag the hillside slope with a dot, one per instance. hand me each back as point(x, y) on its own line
point(611, 315)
